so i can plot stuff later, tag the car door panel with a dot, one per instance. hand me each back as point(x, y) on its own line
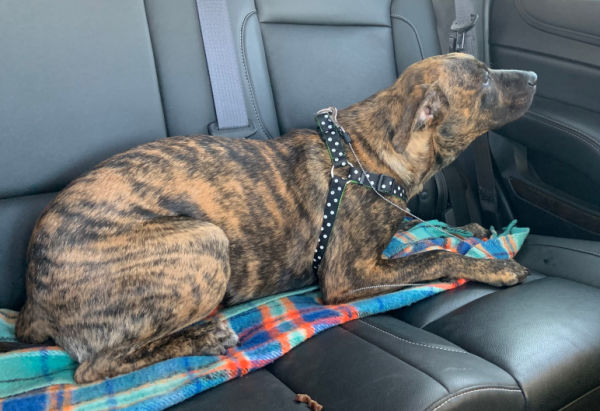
point(550, 159)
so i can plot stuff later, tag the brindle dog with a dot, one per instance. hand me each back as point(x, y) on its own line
point(127, 259)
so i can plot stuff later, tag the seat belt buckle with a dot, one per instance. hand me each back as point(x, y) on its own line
point(237, 132)
point(458, 31)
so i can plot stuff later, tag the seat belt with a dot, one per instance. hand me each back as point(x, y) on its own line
point(463, 38)
point(223, 70)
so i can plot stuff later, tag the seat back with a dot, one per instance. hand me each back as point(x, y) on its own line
point(86, 81)
point(78, 85)
point(319, 56)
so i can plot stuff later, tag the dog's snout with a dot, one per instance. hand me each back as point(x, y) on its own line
point(532, 78)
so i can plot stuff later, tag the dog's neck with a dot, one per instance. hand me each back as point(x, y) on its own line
point(384, 142)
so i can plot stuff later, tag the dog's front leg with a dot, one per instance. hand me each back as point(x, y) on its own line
point(376, 276)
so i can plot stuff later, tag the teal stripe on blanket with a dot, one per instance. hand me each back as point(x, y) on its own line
point(42, 378)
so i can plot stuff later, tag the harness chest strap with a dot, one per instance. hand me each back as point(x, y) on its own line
point(334, 137)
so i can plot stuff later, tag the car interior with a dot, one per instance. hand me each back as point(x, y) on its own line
point(82, 80)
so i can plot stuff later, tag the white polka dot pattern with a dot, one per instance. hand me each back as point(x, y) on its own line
point(334, 138)
point(336, 190)
point(382, 183)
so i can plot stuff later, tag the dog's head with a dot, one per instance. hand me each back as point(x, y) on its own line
point(441, 104)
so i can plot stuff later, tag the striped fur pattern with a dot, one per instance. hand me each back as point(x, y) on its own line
point(130, 256)
point(267, 328)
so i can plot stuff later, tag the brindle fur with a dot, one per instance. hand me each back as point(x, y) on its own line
point(128, 258)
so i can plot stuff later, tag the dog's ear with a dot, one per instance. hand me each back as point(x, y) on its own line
point(432, 110)
point(410, 105)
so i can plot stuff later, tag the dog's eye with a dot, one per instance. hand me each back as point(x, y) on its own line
point(486, 80)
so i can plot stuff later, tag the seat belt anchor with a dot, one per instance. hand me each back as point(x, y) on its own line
point(458, 31)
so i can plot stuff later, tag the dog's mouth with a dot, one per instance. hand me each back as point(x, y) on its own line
point(522, 100)
point(525, 99)
point(516, 106)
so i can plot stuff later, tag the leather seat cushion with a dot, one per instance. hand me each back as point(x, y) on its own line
point(545, 333)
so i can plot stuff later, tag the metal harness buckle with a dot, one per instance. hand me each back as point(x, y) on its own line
point(332, 111)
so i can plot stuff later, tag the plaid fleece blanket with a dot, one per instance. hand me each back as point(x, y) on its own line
point(42, 378)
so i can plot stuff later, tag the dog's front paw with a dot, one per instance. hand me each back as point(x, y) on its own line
point(85, 373)
point(225, 335)
point(214, 338)
point(507, 273)
point(477, 230)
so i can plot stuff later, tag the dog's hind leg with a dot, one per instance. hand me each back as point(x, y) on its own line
point(32, 326)
point(212, 337)
point(127, 297)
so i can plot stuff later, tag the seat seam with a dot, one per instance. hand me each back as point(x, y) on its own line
point(564, 407)
point(575, 250)
point(280, 380)
point(386, 352)
point(326, 24)
point(247, 76)
point(472, 301)
point(454, 309)
point(414, 29)
point(159, 85)
point(456, 395)
point(413, 342)
point(398, 358)
point(579, 134)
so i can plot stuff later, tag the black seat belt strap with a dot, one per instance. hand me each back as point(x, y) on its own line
point(463, 37)
point(486, 182)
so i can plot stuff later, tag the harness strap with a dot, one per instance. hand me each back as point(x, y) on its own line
point(335, 137)
point(382, 183)
point(337, 186)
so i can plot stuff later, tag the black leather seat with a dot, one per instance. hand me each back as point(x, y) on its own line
point(87, 81)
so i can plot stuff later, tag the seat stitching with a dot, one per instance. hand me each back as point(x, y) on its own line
point(247, 75)
point(566, 407)
point(580, 135)
point(330, 24)
point(285, 384)
point(575, 250)
point(413, 342)
point(414, 29)
point(492, 292)
point(159, 84)
point(475, 390)
point(403, 360)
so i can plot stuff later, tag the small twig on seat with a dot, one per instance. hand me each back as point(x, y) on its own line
point(310, 403)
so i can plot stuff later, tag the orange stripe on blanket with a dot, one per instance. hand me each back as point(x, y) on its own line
point(406, 236)
point(67, 398)
point(270, 323)
point(513, 246)
point(289, 307)
point(265, 313)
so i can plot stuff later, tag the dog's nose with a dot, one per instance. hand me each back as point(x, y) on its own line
point(532, 80)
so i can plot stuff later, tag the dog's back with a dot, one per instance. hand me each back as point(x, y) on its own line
point(149, 232)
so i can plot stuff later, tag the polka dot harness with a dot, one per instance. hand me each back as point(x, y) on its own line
point(334, 136)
